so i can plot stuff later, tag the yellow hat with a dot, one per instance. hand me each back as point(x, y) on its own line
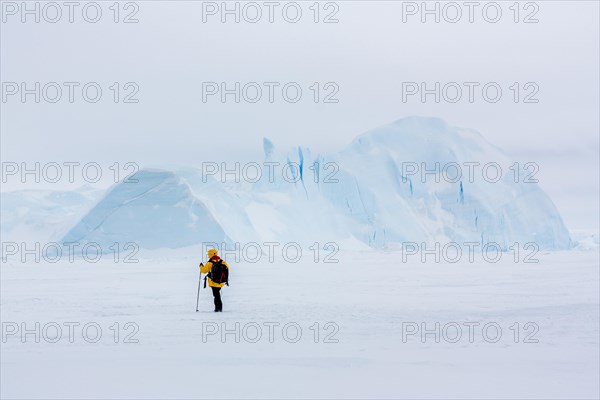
point(212, 253)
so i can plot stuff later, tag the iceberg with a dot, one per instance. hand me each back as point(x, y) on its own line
point(415, 180)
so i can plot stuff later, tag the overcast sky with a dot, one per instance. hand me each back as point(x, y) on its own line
point(366, 57)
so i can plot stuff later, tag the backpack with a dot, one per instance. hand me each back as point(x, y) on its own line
point(219, 273)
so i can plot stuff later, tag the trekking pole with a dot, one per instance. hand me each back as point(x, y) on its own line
point(199, 281)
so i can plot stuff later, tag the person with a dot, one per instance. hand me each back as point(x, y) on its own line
point(213, 258)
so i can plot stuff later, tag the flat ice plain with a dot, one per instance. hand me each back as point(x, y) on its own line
point(351, 329)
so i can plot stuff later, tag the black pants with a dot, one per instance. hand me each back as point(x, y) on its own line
point(217, 293)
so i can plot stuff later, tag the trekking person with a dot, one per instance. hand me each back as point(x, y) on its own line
point(217, 272)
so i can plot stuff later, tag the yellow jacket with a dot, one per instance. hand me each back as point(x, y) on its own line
point(206, 268)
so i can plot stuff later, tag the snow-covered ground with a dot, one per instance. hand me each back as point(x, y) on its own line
point(368, 310)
